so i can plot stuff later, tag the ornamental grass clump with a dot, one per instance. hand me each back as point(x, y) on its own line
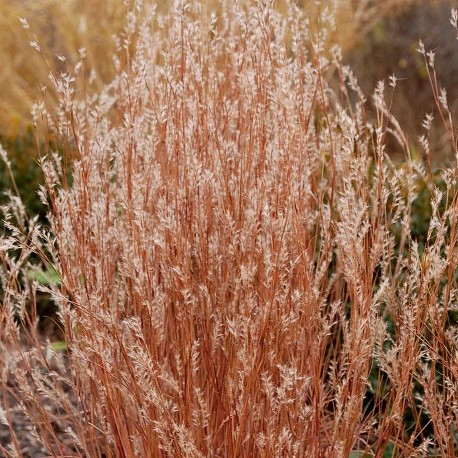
point(233, 262)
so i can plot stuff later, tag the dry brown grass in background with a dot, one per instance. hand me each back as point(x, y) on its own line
point(62, 27)
point(238, 275)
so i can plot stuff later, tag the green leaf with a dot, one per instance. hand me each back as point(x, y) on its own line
point(44, 277)
point(359, 454)
point(59, 345)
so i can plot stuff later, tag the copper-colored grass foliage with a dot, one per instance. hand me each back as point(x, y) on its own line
point(238, 275)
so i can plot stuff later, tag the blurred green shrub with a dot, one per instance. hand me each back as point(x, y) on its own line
point(23, 154)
